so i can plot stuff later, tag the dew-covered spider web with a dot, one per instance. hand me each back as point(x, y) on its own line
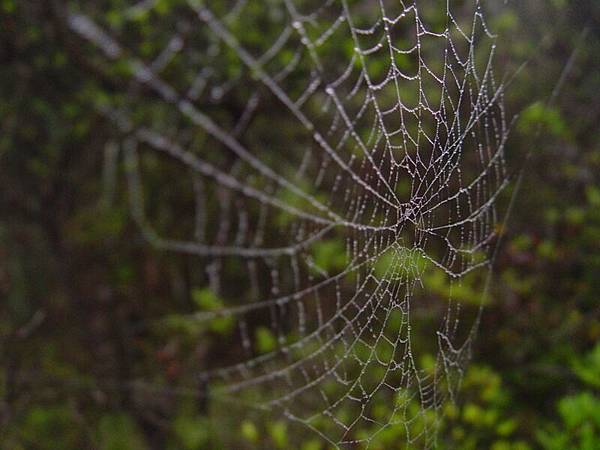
point(332, 169)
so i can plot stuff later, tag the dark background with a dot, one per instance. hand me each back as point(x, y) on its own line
point(76, 278)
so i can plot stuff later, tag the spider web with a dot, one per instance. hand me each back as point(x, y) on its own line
point(341, 161)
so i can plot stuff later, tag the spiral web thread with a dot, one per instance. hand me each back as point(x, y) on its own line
point(360, 162)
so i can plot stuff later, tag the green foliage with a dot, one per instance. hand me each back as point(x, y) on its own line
point(588, 367)
point(50, 427)
point(119, 432)
point(82, 263)
point(191, 431)
point(205, 300)
point(278, 434)
point(330, 255)
point(401, 263)
point(484, 418)
point(579, 414)
point(538, 117)
point(249, 432)
point(265, 340)
point(580, 427)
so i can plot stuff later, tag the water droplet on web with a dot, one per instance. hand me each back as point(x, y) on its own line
point(217, 93)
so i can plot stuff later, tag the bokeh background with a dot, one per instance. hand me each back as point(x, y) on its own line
point(77, 280)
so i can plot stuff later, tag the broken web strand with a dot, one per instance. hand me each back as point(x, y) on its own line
point(447, 219)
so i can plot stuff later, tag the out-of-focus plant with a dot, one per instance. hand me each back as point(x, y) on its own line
point(63, 384)
point(579, 413)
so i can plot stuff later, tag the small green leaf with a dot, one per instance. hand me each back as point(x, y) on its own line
point(330, 255)
point(206, 300)
point(192, 432)
point(538, 116)
point(278, 433)
point(265, 340)
point(249, 431)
